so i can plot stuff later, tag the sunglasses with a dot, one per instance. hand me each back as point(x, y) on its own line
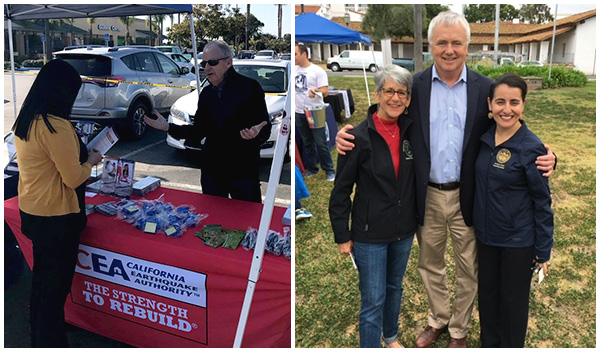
point(212, 62)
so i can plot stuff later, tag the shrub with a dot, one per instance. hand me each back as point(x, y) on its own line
point(33, 63)
point(7, 65)
point(561, 77)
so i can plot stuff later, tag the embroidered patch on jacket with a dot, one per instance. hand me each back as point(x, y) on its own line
point(502, 157)
point(407, 150)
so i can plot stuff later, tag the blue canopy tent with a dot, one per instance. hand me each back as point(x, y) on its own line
point(312, 28)
point(16, 12)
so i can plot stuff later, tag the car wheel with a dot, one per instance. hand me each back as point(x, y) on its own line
point(135, 120)
point(373, 68)
point(335, 68)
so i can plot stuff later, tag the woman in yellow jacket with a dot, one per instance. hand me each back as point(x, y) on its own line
point(53, 168)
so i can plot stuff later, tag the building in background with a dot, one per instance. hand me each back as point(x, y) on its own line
point(575, 42)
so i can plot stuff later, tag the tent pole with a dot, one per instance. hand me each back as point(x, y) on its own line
point(12, 66)
point(365, 73)
point(265, 219)
point(196, 66)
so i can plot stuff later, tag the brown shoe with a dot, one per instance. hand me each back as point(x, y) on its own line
point(457, 343)
point(428, 336)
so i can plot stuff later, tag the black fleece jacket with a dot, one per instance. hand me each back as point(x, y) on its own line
point(384, 207)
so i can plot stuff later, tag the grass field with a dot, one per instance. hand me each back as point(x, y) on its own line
point(562, 309)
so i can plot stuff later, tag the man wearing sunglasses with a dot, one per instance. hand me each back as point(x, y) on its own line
point(232, 115)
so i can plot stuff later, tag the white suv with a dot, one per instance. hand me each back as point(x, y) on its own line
point(273, 76)
point(105, 98)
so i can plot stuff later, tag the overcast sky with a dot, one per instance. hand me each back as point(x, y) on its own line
point(563, 9)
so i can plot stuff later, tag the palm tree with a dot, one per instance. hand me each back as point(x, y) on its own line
point(127, 21)
point(279, 17)
point(159, 19)
point(247, 23)
point(91, 21)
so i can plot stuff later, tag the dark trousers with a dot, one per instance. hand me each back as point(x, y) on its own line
point(241, 189)
point(55, 244)
point(504, 285)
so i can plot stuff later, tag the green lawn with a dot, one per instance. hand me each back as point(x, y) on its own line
point(562, 308)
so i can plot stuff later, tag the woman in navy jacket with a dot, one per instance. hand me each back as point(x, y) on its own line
point(383, 210)
point(513, 218)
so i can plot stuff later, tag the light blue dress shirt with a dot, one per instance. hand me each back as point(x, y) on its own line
point(447, 118)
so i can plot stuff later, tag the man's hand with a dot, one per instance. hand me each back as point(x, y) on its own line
point(543, 162)
point(160, 123)
point(345, 248)
point(252, 132)
point(342, 140)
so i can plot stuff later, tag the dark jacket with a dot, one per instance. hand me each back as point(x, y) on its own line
point(513, 202)
point(384, 208)
point(220, 119)
point(477, 122)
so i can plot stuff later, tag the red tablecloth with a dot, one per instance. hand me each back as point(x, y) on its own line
point(153, 291)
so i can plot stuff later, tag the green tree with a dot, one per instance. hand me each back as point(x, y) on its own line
point(536, 13)
point(91, 21)
point(487, 13)
point(127, 21)
point(396, 21)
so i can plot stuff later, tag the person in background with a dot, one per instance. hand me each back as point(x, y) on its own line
point(384, 214)
point(512, 216)
point(311, 87)
point(232, 115)
point(449, 111)
point(301, 192)
point(54, 166)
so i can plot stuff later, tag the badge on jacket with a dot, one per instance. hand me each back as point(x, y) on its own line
point(407, 150)
point(502, 157)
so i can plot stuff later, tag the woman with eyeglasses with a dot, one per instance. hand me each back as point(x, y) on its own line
point(383, 210)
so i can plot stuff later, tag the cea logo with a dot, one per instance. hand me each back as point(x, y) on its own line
point(101, 265)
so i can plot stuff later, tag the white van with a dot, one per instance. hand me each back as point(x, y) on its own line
point(353, 60)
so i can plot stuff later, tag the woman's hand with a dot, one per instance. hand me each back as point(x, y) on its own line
point(345, 248)
point(94, 157)
point(160, 123)
point(544, 267)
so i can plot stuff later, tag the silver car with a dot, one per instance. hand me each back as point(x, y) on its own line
point(273, 76)
point(118, 85)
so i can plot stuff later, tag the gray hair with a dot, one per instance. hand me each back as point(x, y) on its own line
point(221, 45)
point(448, 18)
point(399, 74)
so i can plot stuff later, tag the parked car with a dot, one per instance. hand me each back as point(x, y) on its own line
point(273, 76)
point(286, 56)
point(266, 54)
point(169, 49)
point(531, 63)
point(105, 98)
point(247, 54)
point(354, 59)
point(409, 63)
point(181, 61)
point(505, 61)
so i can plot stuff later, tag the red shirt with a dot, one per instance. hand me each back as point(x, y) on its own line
point(387, 129)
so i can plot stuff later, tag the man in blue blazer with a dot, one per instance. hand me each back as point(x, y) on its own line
point(450, 113)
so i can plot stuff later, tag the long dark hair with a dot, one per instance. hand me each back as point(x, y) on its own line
point(53, 92)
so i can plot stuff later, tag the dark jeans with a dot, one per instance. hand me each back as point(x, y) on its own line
point(311, 138)
point(242, 189)
point(504, 285)
point(381, 270)
point(55, 244)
